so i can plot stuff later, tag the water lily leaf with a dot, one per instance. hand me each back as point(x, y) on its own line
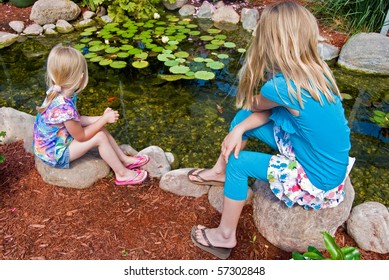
point(217, 42)
point(148, 25)
point(221, 37)
point(123, 54)
point(222, 56)
point(213, 31)
point(118, 64)
point(211, 47)
point(194, 33)
point(141, 56)
point(90, 29)
point(160, 23)
point(346, 96)
point(157, 49)
point(151, 46)
point(79, 46)
point(180, 37)
point(112, 50)
point(97, 48)
point(85, 40)
point(241, 50)
point(180, 60)
point(198, 59)
point(86, 33)
point(128, 35)
point(216, 65)
point(170, 63)
point(140, 64)
point(206, 38)
point(208, 60)
point(126, 47)
point(183, 22)
point(191, 25)
point(171, 47)
point(204, 75)
point(165, 57)
point(229, 45)
point(190, 74)
point(173, 42)
point(90, 55)
point(181, 54)
point(172, 78)
point(96, 59)
point(134, 51)
point(179, 69)
point(95, 42)
point(105, 61)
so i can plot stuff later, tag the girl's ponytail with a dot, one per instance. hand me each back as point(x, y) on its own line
point(51, 93)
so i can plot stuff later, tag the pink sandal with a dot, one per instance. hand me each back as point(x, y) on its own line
point(141, 160)
point(134, 181)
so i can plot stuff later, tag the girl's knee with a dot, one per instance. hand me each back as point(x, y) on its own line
point(100, 137)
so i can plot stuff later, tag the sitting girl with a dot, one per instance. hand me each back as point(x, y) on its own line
point(61, 135)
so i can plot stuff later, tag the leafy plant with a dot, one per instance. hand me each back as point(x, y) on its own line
point(336, 253)
point(380, 118)
point(355, 16)
point(2, 135)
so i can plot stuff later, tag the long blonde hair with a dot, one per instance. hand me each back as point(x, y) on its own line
point(66, 70)
point(286, 42)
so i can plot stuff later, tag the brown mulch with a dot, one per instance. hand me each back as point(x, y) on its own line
point(42, 221)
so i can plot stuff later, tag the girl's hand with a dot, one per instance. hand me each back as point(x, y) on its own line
point(110, 115)
point(232, 142)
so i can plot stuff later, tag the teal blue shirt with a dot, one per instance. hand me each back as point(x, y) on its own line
point(320, 135)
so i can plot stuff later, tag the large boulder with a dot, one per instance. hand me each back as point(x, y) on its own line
point(83, 172)
point(366, 52)
point(294, 229)
point(48, 11)
point(18, 126)
point(7, 39)
point(175, 5)
point(368, 225)
point(158, 164)
point(226, 14)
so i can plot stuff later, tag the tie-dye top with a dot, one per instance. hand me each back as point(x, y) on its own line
point(51, 137)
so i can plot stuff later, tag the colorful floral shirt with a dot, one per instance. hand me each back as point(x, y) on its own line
point(51, 137)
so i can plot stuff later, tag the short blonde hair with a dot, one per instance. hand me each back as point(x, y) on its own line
point(66, 68)
point(286, 41)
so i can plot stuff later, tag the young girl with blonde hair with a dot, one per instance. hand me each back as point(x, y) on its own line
point(61, 135)
point(291, 102)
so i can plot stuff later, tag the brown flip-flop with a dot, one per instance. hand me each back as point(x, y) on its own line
point(220, 252)
point(200, 180)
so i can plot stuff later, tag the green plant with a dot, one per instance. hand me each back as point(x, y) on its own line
point(2, 135)
point(122, 10)
point(336, 253)
point(353, 16)
point(380, 118)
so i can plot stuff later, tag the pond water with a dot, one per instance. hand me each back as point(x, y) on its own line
point(190, 118)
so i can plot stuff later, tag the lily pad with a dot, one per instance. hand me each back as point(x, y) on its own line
point(79, 46)
point(240, 50)
point(118, 64)
point(170, 63)
point(216, 65)
point(204, 75)
point(222, 56)
point(126, 47)
point(194, 33)
point(123, 54)
point(141, 56)
point(105, 62)
point(211, 47)
point(346, 96)
point(198, 59)
point(217, 42)
point(97, 48)
point(86, 33)
point(112, 50)
point(206, 38)
point(157, 49)
point(221, 37)
point(229, 45)
point(213, 31)
point(85, 40)
point(181, 54)
point(134, 51)
point(140, 64)
point(90, 55)
point(172, 78)
point(179, 69)
point(96, 59)
point(90, 29)
point(165, 57)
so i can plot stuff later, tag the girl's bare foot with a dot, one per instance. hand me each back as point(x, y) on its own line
point(205, 176)
point(215, 237)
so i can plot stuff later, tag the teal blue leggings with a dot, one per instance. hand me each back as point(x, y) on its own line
point(248, 164)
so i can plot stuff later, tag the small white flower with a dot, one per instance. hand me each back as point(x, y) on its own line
point(165, 39)
point(156, 16)
point(106, 42)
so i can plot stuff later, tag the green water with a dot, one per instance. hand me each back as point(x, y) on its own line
point(184, 117)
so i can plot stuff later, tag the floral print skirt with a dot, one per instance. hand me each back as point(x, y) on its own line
point(289, 182)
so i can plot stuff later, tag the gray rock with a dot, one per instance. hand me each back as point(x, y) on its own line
point(33, 29)
point(226, 14)
point(187, 10)
point(106, 19)
point(368, 225)
point(17, 25)
point(176, 181)
point(48, 11)
point(216, 197)
point(88, 15)
point(63, 26)
point(83, 172)
point(327, 51)
point(206, 10)
point(175, 5)
point(49, 26)
point(158, 164)
point(249, 18)
point(22, 131)
point(7, 39)
point(84, 23)
point(366, 52)
point(50, 31)
point(294, 229)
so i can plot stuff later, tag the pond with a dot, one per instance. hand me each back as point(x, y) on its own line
point(190, 117)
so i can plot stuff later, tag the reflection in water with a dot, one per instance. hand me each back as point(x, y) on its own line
point(190, 118)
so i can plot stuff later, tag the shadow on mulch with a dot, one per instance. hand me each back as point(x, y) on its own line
point(41, 221)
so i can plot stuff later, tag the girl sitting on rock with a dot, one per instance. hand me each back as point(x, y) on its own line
point(61, 135)
point(291, 102)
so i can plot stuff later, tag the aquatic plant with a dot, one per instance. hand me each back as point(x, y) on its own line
point(380, 118)
point(336, 253)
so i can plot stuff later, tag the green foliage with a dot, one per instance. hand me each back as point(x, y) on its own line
point(2, 135)
point(354, 16)
point(380, 118)
point(336, 253)
point(122, 10)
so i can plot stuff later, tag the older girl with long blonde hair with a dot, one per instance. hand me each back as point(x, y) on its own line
point(291, 102)
point(61, 135)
